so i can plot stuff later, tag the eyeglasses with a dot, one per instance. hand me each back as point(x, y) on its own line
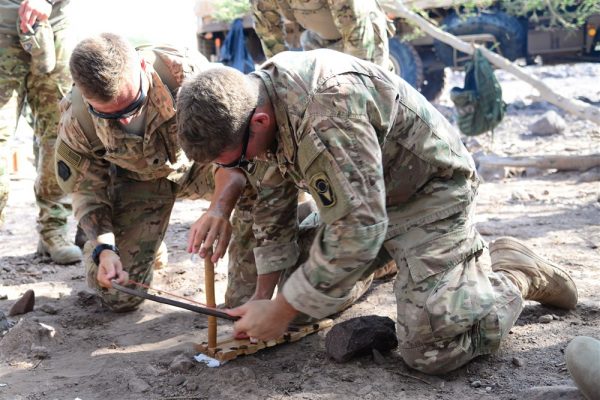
point(127, 111)
point(242, 162)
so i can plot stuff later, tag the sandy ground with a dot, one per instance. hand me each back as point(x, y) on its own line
point(95, 354)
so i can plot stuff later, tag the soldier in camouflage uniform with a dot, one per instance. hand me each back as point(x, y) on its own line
point(20, 81)
point(359, 28)
point(385, 168)
point(118, 155)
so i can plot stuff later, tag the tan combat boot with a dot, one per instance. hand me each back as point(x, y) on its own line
point(59, 249)
point(161, 259)
point(583, 363)
point(538, 279)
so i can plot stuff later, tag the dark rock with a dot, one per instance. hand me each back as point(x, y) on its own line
point(358, 336)
point(3, 297)
point(24, 304)
point(552, 393)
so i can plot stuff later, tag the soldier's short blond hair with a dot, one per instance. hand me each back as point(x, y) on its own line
point(214, 108)
point(100, 65)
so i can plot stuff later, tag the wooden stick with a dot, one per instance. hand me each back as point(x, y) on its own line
point(209, 286)
point(559, 162)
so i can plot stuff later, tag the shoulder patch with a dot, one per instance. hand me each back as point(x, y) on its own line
point(69, 155)
point(322, 188)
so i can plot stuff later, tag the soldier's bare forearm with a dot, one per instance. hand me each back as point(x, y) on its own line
point(229, 184)
point(97, 226)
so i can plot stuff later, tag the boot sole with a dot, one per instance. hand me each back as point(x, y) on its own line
point(508, 243)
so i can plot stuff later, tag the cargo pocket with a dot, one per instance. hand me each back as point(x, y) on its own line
point(444, 286)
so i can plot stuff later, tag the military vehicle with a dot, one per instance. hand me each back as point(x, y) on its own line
point(421, 60)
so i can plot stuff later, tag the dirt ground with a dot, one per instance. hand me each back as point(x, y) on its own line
point(95, 354)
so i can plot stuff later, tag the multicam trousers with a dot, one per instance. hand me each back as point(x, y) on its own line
point(451, 306)
point(18, 83)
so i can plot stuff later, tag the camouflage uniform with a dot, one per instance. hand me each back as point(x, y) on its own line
point(356, 27)
point(18, 82)
point(385, 167)
point(130, 184)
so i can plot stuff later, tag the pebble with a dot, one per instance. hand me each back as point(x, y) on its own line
point(3, 297)
point(137, 385)
point(49, 309)
point(40, 352)
point(24, 304)
point(545, 319)
point(177, 380)
point(181, 363)
point(488, 389)
point(476, 384)
point(517, 362)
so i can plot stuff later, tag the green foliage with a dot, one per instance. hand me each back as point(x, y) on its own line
point(566, 13)
point(228, 10)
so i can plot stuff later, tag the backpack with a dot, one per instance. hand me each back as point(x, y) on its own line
point(479, 104)
point(155, 57)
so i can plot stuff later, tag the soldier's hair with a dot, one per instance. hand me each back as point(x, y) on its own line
point(100, 65)
point(213, 112)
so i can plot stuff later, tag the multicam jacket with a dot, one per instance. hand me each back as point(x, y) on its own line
point(154, 155)
point(365, 144)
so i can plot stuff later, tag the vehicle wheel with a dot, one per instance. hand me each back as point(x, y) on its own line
point(433, 84)
point(406, 61)
point(507, 30)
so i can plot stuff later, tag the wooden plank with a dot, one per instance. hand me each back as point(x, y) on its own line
point(229, 348)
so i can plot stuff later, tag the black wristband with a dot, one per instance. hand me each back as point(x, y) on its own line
point(51, 2)
point(99, 249)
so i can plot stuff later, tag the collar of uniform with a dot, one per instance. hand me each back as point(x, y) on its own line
point(161, 104)
point(286, 147)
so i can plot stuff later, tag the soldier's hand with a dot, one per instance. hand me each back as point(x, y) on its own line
point(31, 11)
point(211, 227)
point(110, 268)
point(263, 319)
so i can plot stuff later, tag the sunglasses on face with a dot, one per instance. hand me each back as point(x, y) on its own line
point(242, 162)
point(128, 111)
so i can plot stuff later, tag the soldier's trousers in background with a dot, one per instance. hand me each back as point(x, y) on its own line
point(451, 306)
point(43, 93)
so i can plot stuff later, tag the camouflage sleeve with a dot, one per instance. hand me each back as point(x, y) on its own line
point(275, 220)
point(89, 173)
point(350, 18)
point(340, 160)
point(268, 24)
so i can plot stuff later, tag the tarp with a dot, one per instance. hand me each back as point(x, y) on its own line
point(234, 52)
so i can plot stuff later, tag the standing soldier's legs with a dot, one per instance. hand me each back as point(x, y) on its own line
point(44, 92)
point(141, 212)
point(13, 70)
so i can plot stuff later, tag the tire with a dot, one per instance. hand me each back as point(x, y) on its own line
point(407, 62)
point(433, 84)
point(507, 30)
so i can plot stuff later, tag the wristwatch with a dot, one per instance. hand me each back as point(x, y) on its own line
point(100, 248)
